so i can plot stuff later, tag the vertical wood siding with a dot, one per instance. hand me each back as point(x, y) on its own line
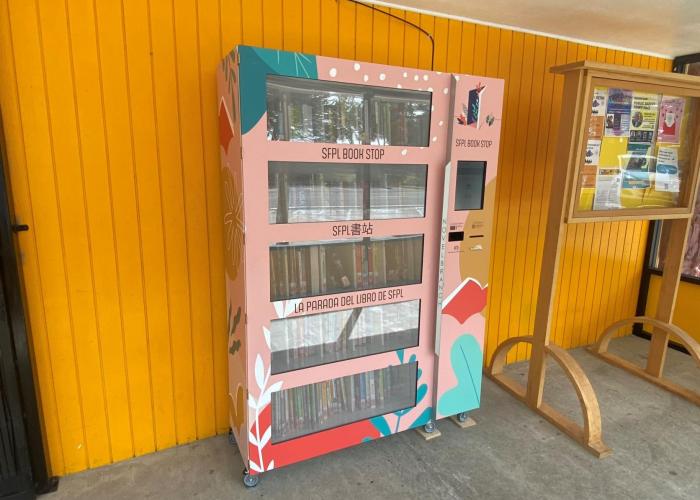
point(109, 111)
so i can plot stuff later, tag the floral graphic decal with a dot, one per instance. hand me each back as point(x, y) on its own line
point(233, 223)
point(237, 408)
point(261, 430)
point(232, 326)
point(466, 359)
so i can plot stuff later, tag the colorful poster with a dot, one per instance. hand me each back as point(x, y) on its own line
point(639, 156)
point(607, 189)
point(670, 118)
point(644, 113)
point(617, 116)
point(613, 152)
point(592, 156)
point(597, 124)
point(667, 178)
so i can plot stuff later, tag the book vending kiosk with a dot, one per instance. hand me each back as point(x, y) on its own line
point(358, 206)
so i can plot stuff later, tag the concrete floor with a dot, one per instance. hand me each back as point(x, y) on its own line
point(511, 453)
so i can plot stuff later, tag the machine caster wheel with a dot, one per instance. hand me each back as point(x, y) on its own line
point(231, 438)
point(429, 427)
point(250, 480)
point(462, 417)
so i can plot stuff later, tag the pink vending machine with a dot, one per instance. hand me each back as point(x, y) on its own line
point(358, 212)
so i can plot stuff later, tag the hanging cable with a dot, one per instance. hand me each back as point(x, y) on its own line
point(409, 23)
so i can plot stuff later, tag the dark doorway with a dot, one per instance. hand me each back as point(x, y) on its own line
point(23, 472)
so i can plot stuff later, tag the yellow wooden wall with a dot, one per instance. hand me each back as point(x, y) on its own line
point(109, 114)
point(687, 301)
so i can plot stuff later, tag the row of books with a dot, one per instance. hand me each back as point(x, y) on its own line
point(324, 405)
point(304, 341)
point(336, 113)
point(324, 268)
point(313, 192)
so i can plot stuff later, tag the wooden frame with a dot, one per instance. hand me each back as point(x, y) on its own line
point(597, 74)
point(580, 78)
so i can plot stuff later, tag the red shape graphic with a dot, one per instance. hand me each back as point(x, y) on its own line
point(470, 300)
point(306, 447)
point(225, 130)
point(321, 443)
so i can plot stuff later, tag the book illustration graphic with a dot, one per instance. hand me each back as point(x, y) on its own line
point(471, 111)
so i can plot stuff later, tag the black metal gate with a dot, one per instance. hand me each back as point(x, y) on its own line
point(23, 471)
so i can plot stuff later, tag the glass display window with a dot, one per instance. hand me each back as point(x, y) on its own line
point(639, 150)
point(302, 110)
point(327, 267)
point(321, 192)
point(317, 339)
point(324, 405)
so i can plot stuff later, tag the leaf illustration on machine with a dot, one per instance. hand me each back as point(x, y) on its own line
point(235, 346)
point(259, 438)
point(260, 377)
point(265, 438)
point(266, 396)
point(266, 334)
point(465, 359)
point(290, 306)
point(232, 326)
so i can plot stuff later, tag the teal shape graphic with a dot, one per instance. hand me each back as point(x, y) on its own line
point(466, 358)
point(255, 65)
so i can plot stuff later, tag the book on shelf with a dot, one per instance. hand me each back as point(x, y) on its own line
point(314, 407)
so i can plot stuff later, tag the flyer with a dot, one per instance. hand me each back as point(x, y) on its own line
point(638, 156)
point(617, 116)
point(607, 189)
point(643, 116)
point(613, 152)
point(667, 178)
point(598, 107)
point(592, 156)
point(670, 118)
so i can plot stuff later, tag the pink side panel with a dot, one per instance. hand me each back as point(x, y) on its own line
point(467, 262)
point(232, 198)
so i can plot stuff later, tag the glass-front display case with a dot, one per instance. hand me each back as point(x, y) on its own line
point(634, 148)
point(639, 149)
point(302, 110)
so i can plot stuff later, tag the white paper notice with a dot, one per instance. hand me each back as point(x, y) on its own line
point(592, 152)
point(667, 178)
point(607, 189)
